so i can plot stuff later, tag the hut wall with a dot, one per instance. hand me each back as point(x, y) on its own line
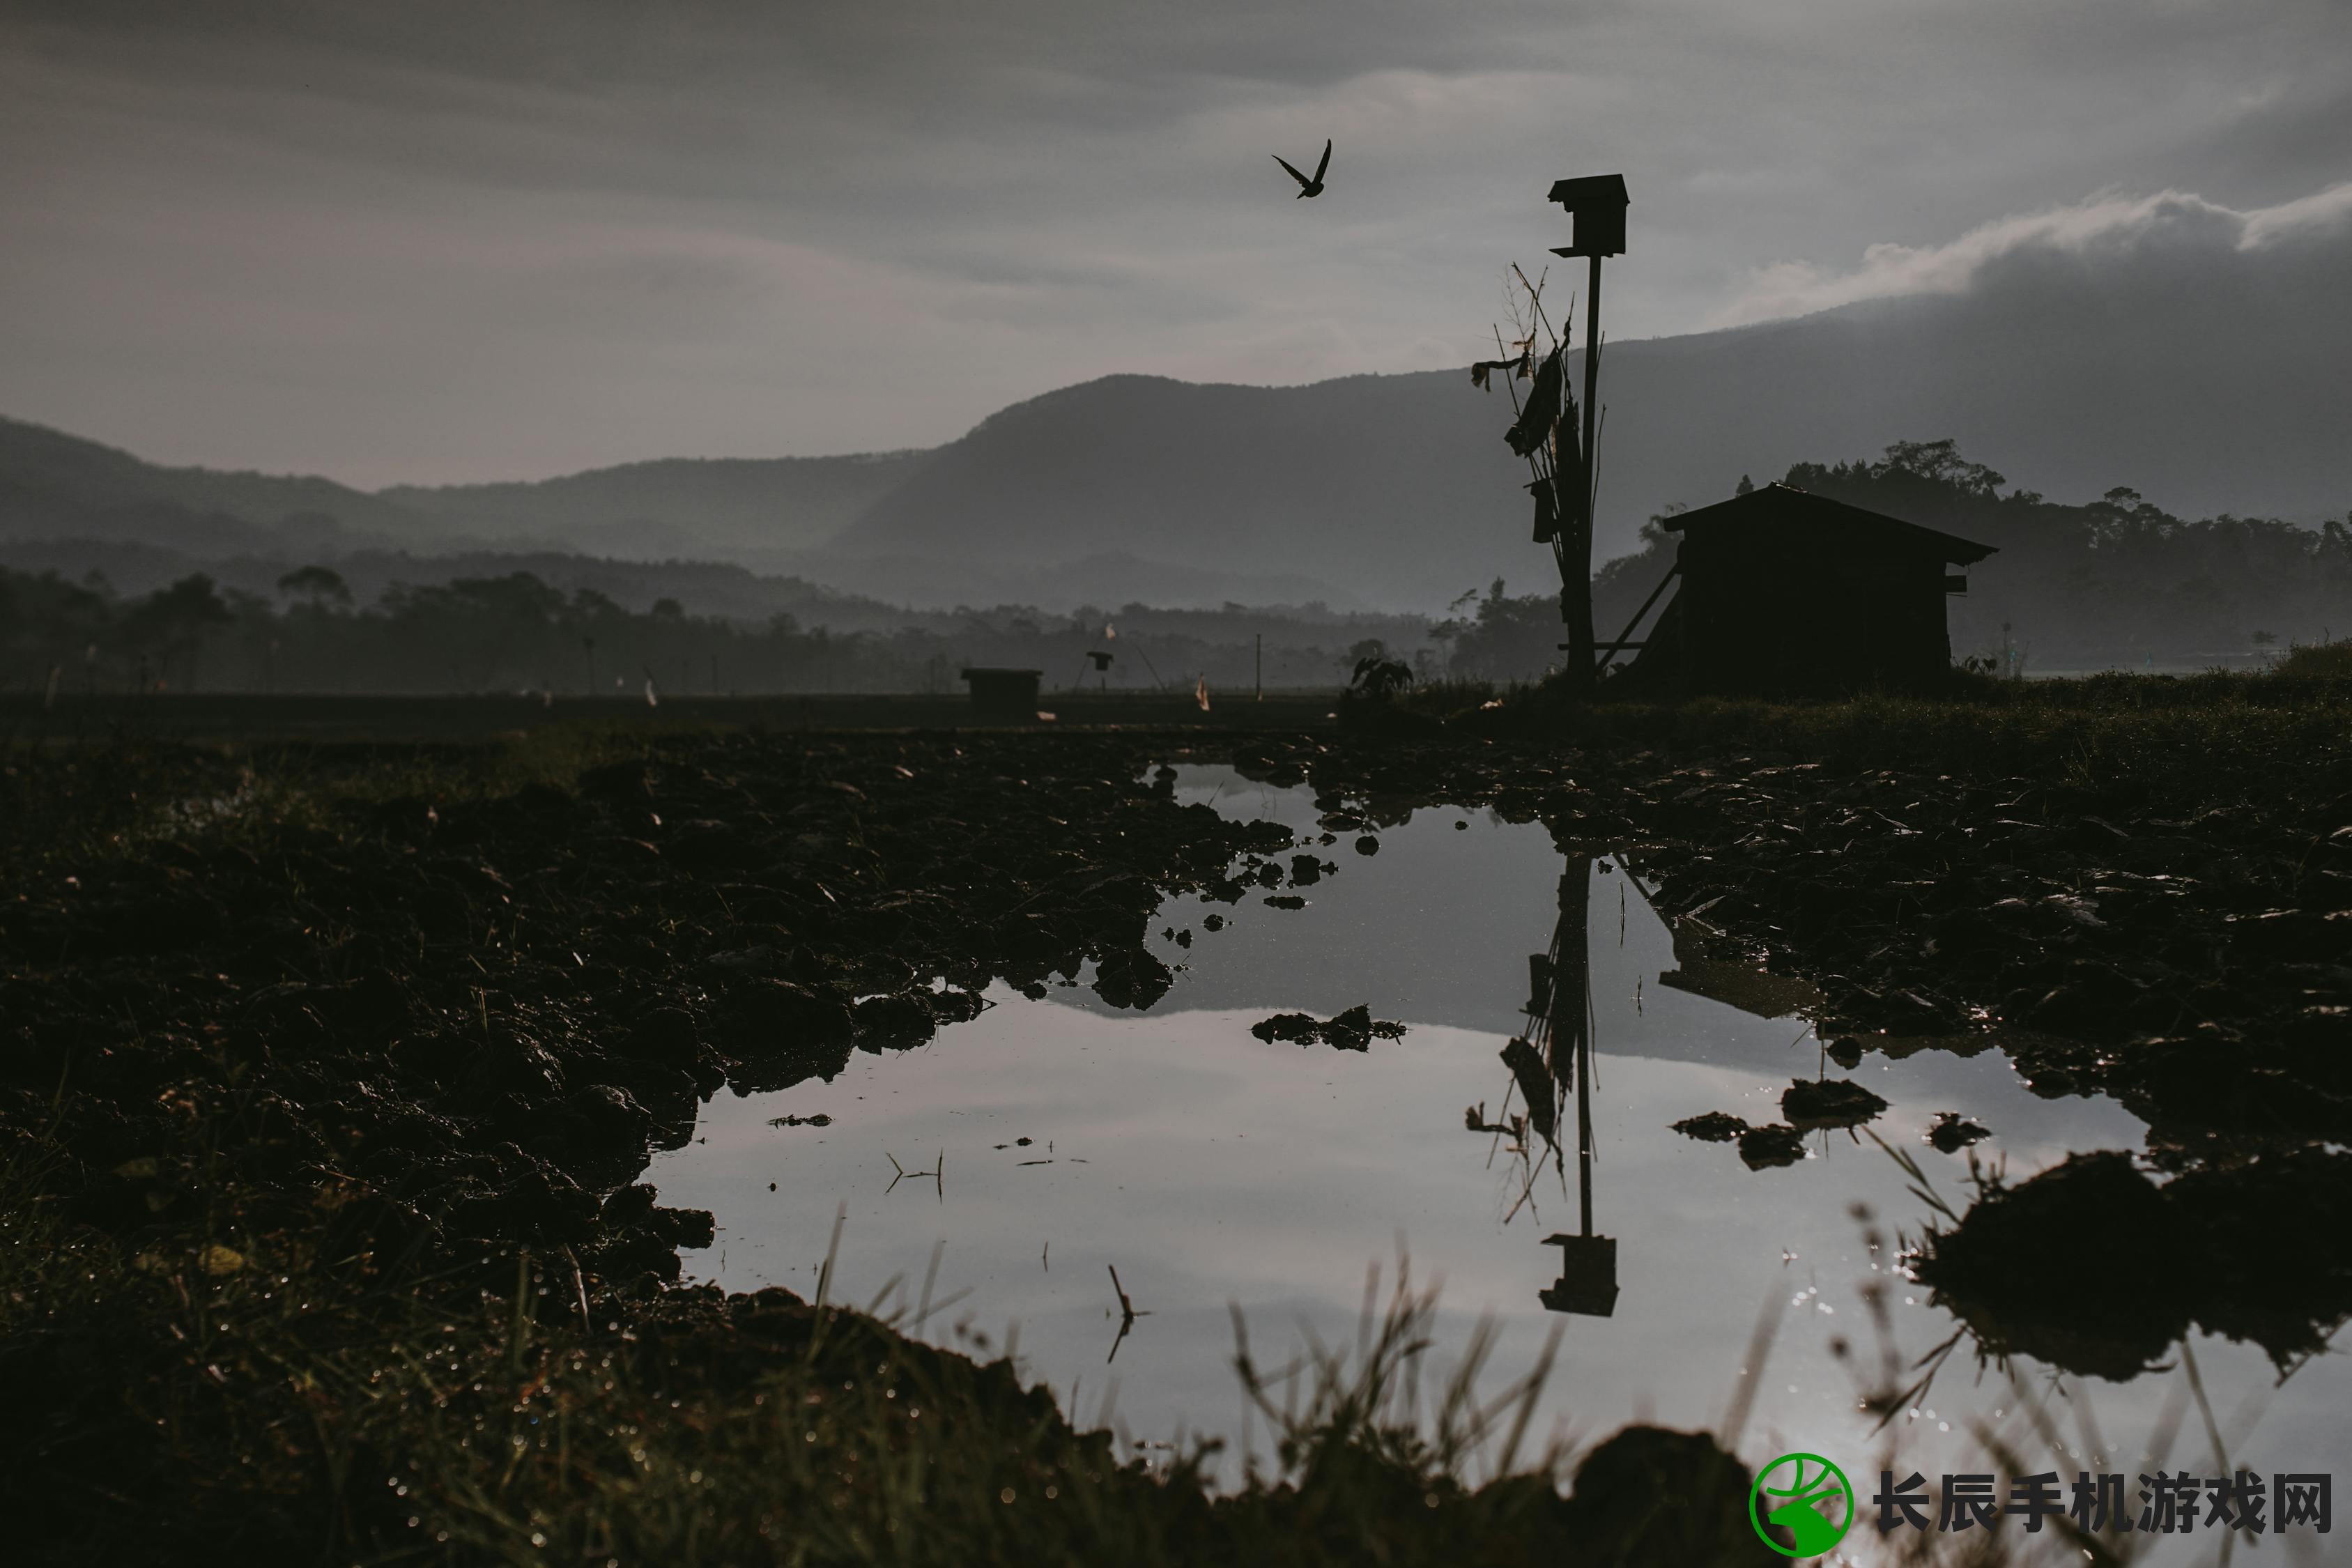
point(1768, 614)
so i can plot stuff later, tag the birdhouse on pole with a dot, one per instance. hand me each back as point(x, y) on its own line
point(1595, 205)
point(1596, 208)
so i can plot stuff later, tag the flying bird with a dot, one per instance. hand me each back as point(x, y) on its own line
point(1307, 187)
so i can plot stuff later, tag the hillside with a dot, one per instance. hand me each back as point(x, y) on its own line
point(755, 512)
point(714, 507)
point(53, 484)
point(2203, 370)
point(2207, 390)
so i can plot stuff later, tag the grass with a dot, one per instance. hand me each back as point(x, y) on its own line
point(278, 1410)
point(2316, 661)
point(231, 1397)
point(2126, 740)
point(234, 1375)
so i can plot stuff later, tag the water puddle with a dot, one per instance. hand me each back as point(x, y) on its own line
point(1050, 1143)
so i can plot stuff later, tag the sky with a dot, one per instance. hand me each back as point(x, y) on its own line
point(444, 242)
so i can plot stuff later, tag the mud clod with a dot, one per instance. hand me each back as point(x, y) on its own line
point(1765, 1146)
point(1828, 1102)
point(2261, 1252)
point(1953, 1132)
point(1353, 1030)
point(1714, 1127)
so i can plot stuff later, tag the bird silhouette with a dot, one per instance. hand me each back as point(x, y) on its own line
point(1307, 187)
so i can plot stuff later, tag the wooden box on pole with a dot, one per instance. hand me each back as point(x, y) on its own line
point(1595, 205)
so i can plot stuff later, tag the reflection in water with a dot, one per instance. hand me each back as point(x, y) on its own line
point(1214, 1171)
point(1700, 971)
point(1551, 1060)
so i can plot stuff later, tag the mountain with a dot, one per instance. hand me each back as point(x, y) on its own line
point(740, 509)
point(752, 512)
point(2209, 379)
point(1108, 580)
point(1383, 489)
point(56, 485)
point(2192, 354)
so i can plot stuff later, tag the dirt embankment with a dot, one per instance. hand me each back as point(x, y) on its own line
point(326, 1080)
point(470, 1012)
point(390, 1015)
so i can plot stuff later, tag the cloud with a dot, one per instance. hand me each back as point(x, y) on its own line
point(2324, 209)
point(2106, 227)
point(442, 242)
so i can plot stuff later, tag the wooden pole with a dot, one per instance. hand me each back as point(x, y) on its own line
point(1576, 589)
point(1571, 1015)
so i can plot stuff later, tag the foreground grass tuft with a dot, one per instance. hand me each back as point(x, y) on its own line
point(235, 1396)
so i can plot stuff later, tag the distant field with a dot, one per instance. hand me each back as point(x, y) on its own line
point(233, 716)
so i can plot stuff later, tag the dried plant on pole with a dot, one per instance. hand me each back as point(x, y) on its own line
point(1544, 432)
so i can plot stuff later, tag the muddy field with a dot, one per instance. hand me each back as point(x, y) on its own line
point(397, 1027)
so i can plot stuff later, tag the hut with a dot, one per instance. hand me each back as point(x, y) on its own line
point(1784, 591)
point(1003, 696)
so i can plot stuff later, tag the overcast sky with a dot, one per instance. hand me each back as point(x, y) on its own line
point(435, 242)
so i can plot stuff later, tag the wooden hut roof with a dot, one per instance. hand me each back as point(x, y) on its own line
point(1795, 514)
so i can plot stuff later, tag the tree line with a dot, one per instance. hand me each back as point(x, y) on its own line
point(517, 634)
point(2115, 581)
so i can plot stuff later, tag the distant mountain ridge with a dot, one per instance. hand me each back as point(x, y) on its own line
point(2210, 378)
point(675, 505)
point(55, 485)
point(2207, 395)
point(2191, 357)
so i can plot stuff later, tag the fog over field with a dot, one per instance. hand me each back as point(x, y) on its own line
point(1087, 352)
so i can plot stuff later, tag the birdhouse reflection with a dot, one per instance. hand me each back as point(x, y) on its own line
point(1551, 1063)
point(1588, 1276)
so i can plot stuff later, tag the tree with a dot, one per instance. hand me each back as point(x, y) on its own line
point(48, 612)
point(2333, 551)
point(519, 598)
point(170, 620)
point(1379, 677)
point(1508, 638)
point(1938, 462)
point(319, 584)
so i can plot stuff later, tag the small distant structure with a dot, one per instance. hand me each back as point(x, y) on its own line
point(1003, 696)
point(1788, 593)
